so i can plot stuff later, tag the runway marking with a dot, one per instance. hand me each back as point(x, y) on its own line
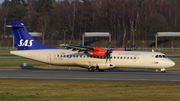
point(89, 79)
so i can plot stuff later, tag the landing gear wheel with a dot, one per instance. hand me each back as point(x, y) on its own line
point(163, 71)
point(101, 70)
point(90, 69)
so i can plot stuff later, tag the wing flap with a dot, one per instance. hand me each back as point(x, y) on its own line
point(80, 49)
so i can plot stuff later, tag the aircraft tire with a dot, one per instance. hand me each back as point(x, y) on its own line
point(91, 69)
point(163, 71)
point(101, 70)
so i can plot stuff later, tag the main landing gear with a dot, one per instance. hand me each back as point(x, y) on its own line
point(91, 69)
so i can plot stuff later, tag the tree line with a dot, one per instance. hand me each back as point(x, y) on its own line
point(122, 18)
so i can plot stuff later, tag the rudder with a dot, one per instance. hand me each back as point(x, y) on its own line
point(24, 40)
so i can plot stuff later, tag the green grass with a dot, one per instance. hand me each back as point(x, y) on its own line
point(5, 53)
point(9, 62)
point(89, 91)
point(172, 54)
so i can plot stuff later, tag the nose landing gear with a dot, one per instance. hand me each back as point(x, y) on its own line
point(163, 70)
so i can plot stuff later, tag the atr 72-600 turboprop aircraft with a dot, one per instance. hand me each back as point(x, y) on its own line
point(92, 58)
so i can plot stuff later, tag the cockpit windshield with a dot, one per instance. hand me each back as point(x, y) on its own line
point(160, 56)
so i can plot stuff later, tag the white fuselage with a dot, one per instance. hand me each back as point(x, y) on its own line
point(128, 59)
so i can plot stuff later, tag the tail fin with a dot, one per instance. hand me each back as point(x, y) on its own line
point(24, 40)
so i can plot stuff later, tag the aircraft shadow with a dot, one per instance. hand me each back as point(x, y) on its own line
point(34, 68)
point(145, 71)
point(78, 70)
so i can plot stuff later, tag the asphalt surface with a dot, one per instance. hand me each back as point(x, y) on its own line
point(84, 75)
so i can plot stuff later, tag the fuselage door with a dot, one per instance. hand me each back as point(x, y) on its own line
point(48, 58)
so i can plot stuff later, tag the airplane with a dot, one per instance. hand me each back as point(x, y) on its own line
point(92, 58)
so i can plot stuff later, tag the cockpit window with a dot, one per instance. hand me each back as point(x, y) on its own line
point(156, 56)
point(160, 56)
point(164, 56)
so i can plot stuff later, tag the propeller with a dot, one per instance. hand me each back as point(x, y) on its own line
point(108, 55)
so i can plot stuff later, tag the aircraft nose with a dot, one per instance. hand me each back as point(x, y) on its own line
point(171, 63)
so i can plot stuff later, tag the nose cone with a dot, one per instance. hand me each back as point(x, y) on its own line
point(171, 63)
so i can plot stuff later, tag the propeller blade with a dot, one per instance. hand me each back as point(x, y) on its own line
point(108, 55)
point(109, 58)
point(106, 59)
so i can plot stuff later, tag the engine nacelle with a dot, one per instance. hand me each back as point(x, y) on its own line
point(98, 52)
point(103, 66)
point(118, 49)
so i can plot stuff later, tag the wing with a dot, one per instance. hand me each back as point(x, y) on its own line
point(81, 49)
point(90, 50)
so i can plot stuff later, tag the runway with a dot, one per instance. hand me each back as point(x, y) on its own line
point(84, 75)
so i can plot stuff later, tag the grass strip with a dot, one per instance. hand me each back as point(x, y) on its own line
point(22, 90)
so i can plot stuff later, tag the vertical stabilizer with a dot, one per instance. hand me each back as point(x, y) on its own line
point(24, 40)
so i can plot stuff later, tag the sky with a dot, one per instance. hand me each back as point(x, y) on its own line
point(1, 1)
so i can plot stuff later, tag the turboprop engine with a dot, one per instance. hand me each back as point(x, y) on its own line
point(98, 52)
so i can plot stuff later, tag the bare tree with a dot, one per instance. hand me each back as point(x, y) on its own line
point(3, 17)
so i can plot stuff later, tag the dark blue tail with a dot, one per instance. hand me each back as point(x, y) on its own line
point(24, 40)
